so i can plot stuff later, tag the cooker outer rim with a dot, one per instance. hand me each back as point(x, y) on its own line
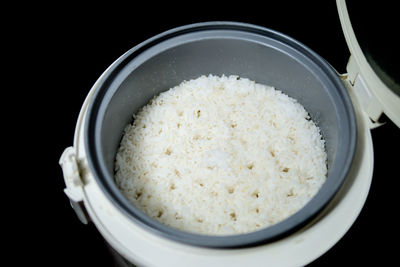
point(234, 241)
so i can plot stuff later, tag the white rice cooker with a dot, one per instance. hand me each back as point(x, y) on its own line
point(370, 97)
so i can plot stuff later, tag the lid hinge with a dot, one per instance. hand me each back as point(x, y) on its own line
point(368, 102)
point(73, 182)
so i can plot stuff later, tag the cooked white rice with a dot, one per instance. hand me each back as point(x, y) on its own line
point(221, 155)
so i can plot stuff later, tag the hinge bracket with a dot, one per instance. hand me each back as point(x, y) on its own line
point(368, 102)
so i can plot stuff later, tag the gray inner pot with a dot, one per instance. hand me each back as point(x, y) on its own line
point(253, 52)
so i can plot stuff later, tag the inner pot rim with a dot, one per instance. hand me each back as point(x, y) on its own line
point(92, 135)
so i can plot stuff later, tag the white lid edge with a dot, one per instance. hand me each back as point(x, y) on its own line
point(388, 101)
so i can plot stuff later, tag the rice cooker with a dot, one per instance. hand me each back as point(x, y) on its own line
point(345, 107)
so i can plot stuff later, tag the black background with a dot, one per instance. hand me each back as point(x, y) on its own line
point(65, 48)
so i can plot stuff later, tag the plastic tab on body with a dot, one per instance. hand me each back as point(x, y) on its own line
point(73, 182)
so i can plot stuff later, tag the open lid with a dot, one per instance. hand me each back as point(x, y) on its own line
point(373, 55)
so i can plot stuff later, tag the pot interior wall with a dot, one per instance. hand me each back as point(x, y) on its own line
point(272, 64)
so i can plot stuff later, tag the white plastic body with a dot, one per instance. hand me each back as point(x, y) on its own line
point(379, 98)
point(140, 246)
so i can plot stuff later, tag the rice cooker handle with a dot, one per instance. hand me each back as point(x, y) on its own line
point(73, 182)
